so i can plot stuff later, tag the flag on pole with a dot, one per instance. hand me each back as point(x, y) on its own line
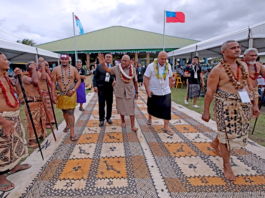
point(175, 17)
point(78, 23)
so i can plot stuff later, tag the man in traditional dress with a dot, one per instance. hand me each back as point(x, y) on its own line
point(195, 81)
point(68, 80)
point(103, 85)
point(254, 68)
point(12, 136)
point(123, 89)
point(231, 88)
point(30, 80)
point(158, 81)
point(43, 76)
point(81, 91)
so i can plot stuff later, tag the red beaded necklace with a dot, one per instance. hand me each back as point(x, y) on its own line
point(12, 91)
point(255, 75)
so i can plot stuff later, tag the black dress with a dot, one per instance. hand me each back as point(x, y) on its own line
point(139, 74)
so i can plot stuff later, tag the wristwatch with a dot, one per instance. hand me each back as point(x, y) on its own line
point(73, 90)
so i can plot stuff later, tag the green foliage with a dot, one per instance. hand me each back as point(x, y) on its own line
point(27, 42)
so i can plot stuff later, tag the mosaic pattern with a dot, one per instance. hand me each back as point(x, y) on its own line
point(115, 162)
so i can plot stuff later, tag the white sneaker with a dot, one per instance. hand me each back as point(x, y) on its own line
point(196, 106)
point(186, 101)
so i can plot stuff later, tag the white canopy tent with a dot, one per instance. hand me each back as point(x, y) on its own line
point(253, 36)
point(17, 52)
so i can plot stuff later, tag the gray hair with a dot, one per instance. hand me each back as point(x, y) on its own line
point(250, 50)
point(224, 45)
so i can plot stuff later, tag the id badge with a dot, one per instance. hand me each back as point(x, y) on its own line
point(107, 78)
point(244, 95)
point(195, 75)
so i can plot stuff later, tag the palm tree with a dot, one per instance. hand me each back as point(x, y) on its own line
point(27, 42)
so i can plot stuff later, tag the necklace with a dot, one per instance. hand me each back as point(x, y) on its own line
point(66, 84)
point(234, 79)
point(256, 73)
point(12, 92)
point(166, 69)
point(124, 76)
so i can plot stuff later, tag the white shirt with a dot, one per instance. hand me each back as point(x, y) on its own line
point(154, 83)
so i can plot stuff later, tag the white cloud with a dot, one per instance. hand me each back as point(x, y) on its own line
point(45, 21)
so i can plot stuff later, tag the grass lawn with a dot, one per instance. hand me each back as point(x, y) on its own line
point(59, 118)
point(179, 94)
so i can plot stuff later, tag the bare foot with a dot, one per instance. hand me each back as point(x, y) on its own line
point(123, 124)
point(228, 173)
point(134, 129)
point(216, 149)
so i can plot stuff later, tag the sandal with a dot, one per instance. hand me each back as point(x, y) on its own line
point(22, 167)
point(66, 129)
point(168, 132)
point(149, 122)
point(9, 186)
point(81, 109)
point(73, 138)
point(33, 146)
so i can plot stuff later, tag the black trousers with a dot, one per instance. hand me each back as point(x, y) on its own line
point(105, 95)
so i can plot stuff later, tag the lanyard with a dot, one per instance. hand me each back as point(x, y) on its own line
point(161, 76)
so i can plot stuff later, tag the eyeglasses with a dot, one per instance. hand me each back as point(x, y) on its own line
point(46, 64)
point(79, 61)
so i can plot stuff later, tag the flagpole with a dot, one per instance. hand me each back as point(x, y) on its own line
point(74, 38)
point(164, 31)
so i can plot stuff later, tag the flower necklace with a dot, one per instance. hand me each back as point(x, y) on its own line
point(234, 79)
point(66, 84)
point(157, 70)
point(124, 76)
point(12, 92)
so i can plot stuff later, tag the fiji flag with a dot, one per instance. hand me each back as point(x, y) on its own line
point(175, 17)
point(78, 23)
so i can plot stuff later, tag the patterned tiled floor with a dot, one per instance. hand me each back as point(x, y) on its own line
point(116, 162)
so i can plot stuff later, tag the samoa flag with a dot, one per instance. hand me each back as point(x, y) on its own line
point(175, 17)
point(78, 23)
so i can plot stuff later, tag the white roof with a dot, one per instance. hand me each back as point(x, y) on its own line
point(212, 47)
point(17, 52)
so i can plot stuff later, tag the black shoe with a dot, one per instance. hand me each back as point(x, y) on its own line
point(109, 121)
point(101, 123)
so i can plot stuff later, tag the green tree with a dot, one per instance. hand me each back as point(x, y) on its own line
point(27, 42)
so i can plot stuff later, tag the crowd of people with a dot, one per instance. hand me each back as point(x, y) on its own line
point(232, 84)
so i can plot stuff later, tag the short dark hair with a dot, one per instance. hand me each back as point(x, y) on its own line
point(196, 57)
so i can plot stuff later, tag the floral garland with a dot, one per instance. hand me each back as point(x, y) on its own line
point(12, 92)
point(156, 69)
point(124, 76)
point(232, 77)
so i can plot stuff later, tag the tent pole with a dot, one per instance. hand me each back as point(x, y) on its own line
point(250, 39)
